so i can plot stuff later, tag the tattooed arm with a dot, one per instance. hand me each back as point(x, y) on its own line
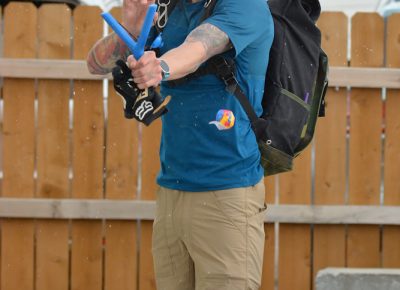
point(102, 57)
point(108, 50)
point(201, 44)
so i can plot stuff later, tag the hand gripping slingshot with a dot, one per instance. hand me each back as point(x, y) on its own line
point(143, 105)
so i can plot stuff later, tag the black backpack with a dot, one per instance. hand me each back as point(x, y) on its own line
point(295, 85)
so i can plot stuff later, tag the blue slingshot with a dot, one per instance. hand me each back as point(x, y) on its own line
point(137, 48)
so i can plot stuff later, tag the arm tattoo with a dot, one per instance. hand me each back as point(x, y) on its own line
point(213, 39)
point(105, 53)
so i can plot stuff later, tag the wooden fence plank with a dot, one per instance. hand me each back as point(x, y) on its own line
point(122, 148)
point(1, 127)
point(121, 183)
point(1, 132)
point(150, 167)
point(146, 271)
point(17, 270)
point(294, 257)
point(391, 235)
point(268, 274)
point(365, 140)
point(88, 156)
point(17, 236)
point(295, 240)
point(330, 149)
point(270, 188)
point(52, 252)
point(121, 255)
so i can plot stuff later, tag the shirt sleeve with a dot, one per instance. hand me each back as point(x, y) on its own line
point(244, 21)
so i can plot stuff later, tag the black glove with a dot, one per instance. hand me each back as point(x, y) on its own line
point(149, 105)
point(143, 105)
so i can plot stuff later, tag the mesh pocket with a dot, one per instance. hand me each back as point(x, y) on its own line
point(287, 121)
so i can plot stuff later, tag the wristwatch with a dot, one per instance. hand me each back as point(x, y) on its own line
point(164, 70)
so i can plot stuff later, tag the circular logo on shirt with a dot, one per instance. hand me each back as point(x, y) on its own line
point(224, 120)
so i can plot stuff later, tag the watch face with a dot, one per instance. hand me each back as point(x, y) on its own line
point(164, 67)
point(165, 70)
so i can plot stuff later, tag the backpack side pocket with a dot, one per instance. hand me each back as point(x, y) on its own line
point(287, 121)
point(274, 161)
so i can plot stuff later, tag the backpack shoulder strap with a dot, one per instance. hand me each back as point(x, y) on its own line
point(208, 9)
point(225, 69)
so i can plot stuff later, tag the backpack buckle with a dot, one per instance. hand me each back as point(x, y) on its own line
point(226, 71)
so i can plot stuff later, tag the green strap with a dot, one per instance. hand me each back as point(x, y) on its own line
point(296, 99)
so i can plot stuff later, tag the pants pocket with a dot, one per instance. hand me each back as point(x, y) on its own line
point(255, 234)
point(232, 205)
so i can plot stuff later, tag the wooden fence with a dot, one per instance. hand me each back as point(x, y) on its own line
point(78, 180)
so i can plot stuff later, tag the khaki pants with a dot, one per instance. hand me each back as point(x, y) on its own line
point(209, 240)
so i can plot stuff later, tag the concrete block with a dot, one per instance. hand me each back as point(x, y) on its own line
point(358, 279)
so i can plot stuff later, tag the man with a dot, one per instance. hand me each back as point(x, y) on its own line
point(209, 226)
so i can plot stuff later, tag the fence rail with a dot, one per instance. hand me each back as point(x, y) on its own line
point(77, 69)
point(38, 208)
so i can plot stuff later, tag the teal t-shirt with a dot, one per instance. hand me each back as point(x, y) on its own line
point(207, 142)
